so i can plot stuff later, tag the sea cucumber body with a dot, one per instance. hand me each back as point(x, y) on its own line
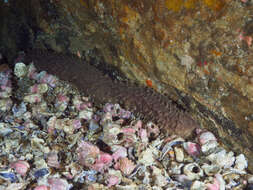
point(91, 81)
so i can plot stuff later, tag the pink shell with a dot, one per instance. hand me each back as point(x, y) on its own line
point(41, 187)
point(193, 149)
point(103, 161)
point(143, 135)
point(214, 186)
point(21, 167)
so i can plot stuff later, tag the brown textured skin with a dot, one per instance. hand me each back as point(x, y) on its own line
point(91, 81)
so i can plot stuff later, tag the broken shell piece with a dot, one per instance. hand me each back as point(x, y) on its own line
point(58, 184)
point(176, 168)
point(114, 177)
point(39, 88)
point(168, 146)
point(209, 147)
point(193, 171)
point(103, 161)
point(222, 158)
point(125, 165)
point(53, 160)
point(198, 185)
point(42, 187)
point(218, 183)
point(241, 163)
point(87, 153)
point(205, 137)
point(193, 149)
point(33, 98)
point(86, 114)
point(5, 104)
point(4, 130)
point(210, 170)
point(8, 176)
point(112, 134)
point(146, 157)
point(118, 152)
point(43, 77)
point(21, 167)
point(179, 152)
point(20, 70)
point(184, 180)
point(18, 111)
point(61, 102)
point(160, 179)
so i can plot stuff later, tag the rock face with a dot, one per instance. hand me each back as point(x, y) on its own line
point(199, 52)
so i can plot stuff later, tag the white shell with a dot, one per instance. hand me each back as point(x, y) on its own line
point(20, 70)
point(198, 185)
point(241, 163)
point(86, 114)
point(222, 158)
point(209, 147)
point(146, 157)
point(179, 152)
point(193, 171)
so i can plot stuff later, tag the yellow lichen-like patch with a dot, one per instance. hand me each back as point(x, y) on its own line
point(216, 53)
point(175, 5)
point(190, 4)
point(215, 5)
point(130, 15)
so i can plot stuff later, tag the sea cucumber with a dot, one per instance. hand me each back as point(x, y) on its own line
point(91, 81)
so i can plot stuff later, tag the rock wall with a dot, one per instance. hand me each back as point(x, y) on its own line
point(199, 52)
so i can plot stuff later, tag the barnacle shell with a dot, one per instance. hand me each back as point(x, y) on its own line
point(193, 171)
point(198, 185)
point(209, 147)
point(222, 158)
point(20, 70)
point(210, 170)
point(241, 162)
